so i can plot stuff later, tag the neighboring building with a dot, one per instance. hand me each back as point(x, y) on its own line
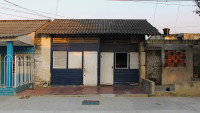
point(91, 52)
point(172, 58)
point(17, 39)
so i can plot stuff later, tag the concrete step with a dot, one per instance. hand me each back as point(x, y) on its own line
point(165, 93)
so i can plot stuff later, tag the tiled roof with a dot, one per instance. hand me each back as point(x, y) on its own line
point(99, 26)
point(13, 28)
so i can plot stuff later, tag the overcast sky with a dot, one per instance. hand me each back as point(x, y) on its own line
point(179, 18)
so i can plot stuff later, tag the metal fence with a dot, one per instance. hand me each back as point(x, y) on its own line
point(17, 70)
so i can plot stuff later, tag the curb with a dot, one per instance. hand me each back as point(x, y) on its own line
point(97, 95)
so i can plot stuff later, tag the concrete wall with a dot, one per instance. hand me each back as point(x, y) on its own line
point(42, 61)
point(187, 88)
point(142, 60)
point(173, 74)
point(188, 36)
point(148, 86)
point(196, 50)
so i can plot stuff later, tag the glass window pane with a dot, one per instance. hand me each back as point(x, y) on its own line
point(59, 59)
point(121, 60)
point(60, 40)
point(134, 60)
point(75, 60)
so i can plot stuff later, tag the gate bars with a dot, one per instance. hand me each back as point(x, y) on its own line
point(21, 70)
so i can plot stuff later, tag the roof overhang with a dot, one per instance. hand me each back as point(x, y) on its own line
point(19, 40)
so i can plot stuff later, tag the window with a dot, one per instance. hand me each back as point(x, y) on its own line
point(74, 60)
point(59, 59)
point(60, 40)
point(134, 60)
point(121, 60)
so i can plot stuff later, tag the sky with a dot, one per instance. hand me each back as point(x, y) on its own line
point(178, 16)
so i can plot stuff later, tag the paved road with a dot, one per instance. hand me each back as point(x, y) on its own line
point(56, 104)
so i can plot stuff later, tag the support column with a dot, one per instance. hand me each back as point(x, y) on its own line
point(9, 64)
point(142, 53)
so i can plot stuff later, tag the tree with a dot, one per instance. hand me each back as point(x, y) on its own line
point(198, 5)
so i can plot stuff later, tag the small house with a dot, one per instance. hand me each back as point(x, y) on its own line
point(91, 52)
point(17, 40)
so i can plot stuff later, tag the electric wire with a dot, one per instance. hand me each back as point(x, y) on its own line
point(16, 15)
point(162, 3)
point(56, 9)
point(19, 11)
point(177, 16)
point(154, 17)
point(32, 10)
point(26, 9)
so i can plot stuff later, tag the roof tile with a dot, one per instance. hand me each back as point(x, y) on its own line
point(13, 28)
point(99, 26)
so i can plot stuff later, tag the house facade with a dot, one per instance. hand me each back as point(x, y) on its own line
point(17, 40)
point(91, 52)
point(172, 57)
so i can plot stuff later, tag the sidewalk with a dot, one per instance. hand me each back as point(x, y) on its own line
point(56, 104)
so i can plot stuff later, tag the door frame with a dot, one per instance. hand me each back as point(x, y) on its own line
point(113, 67)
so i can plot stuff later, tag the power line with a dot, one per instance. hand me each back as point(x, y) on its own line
point(32, 10)
point(27, 9)
point(56, 9)
point(19, 11)
point(162, 3)
point(180, 27)
point(155, 12)
point(177, 16)
point(15, 15)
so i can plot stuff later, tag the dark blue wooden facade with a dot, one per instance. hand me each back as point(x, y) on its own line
point(75, 76)
point(121, 76)
point(71, 76)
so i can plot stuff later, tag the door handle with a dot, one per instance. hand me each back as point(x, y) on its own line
point(112, 67)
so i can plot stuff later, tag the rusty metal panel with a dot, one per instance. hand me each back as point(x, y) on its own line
point(154, 65)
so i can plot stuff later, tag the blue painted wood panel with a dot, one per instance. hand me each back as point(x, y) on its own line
point(113, 47)
point(75, 47)
point(67, 77)
point(126, 76)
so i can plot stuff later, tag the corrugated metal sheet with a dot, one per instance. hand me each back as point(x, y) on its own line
point(99, 26)
point(14, 28)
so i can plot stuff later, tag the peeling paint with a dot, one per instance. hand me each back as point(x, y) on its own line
point(42, 60)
